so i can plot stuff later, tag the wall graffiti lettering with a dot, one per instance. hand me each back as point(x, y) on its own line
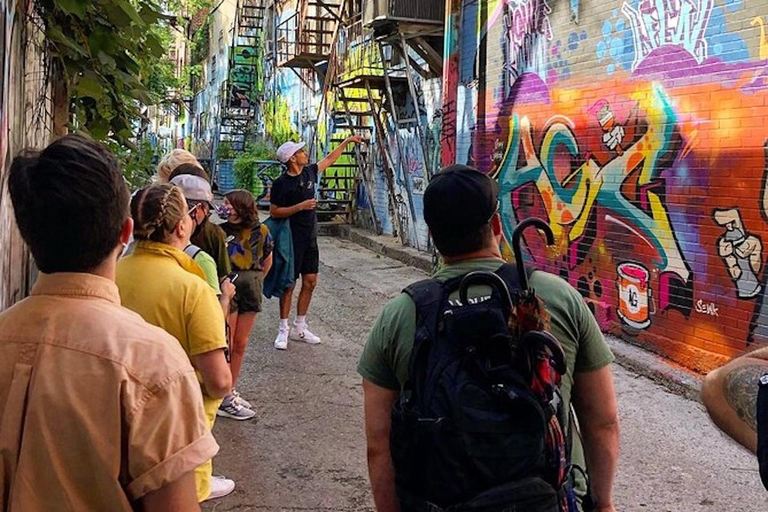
point(570, 202)
point(528, 28)
point(657, 23)
point(707, 308)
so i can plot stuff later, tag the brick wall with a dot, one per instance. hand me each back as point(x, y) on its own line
point(641, 135)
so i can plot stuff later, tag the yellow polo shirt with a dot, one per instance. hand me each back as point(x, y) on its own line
point(168, 289)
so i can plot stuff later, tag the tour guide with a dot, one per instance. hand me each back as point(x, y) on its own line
point(293, 197)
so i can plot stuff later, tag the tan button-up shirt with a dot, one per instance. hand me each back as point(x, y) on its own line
point(97, 407)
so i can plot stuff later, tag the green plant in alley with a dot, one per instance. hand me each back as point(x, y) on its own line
point(245, 165)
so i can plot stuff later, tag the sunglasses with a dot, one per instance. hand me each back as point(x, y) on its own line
point(193, 209)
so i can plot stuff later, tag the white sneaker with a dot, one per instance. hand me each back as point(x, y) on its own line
point(281, 342)
point(220, 487)
point(301, 333)
point(230, 407)
point(242, 401)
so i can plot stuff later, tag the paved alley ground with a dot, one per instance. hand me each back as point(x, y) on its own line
point(306, 452)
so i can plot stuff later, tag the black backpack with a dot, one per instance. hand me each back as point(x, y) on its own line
point(762, 428)
point(477, 426)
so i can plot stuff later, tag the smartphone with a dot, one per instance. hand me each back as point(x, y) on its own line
point(233, 277)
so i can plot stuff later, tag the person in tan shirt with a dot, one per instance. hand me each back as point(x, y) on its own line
point(99, 410)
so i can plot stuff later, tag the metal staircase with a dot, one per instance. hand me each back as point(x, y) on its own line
point(241, 97)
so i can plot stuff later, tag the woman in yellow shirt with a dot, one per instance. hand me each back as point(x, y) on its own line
point(168, 289)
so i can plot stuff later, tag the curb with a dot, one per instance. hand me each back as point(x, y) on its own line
point(640, 361)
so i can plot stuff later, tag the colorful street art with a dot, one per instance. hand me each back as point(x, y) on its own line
point(657, 23)
point(642, 141)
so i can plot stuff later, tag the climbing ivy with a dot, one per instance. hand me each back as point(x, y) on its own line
point(277, 121)
point(108, 60)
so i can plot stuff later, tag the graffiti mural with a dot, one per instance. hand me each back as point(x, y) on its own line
point(527, 30)
point(643, 146)
point(657, 23)
point(569, 201)
point(741, 252)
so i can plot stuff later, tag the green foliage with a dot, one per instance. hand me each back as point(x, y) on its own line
point(225, 150)
point(138, 163)
point(245, 165)
point(110, 58)
point(201, 40)
point(277, 120)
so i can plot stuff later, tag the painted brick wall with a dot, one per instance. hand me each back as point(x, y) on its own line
point(429, 111)
point(640, 133)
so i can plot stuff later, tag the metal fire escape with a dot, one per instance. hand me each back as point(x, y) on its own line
point(307, 41)
point(377, 54)
point(240, 98)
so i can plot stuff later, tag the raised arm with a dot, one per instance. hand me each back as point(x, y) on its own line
point(730, 396)
point(334, 155)
point(594, 399)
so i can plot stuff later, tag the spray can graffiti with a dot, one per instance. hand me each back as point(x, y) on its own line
point(634, 295)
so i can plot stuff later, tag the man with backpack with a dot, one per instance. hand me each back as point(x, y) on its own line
point(466, 405)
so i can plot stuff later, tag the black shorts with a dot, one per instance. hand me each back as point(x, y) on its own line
point(306, 257)
point(248, 292)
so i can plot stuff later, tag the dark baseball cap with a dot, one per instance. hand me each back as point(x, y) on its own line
point(459, 199)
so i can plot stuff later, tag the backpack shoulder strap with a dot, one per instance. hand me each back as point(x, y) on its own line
point(428, 296)
point(192, 250)
point(508, 272)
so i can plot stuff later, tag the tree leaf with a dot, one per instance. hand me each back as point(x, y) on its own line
point(154, 45)
point(55, 34)
point(130, 10)
point(90, 86)
point(75, 7)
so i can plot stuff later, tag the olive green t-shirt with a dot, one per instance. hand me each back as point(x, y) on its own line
point(386, 355)
point(212, 240)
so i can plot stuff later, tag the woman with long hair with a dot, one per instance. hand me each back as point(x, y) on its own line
point(160, 282)
point(250, 253)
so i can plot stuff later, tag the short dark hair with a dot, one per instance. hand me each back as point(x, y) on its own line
point(456, 244)
point(245, 206)
point(189, 169)
point(70, 203)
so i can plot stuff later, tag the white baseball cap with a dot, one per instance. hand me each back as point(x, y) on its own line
point(195, 188)
point(288, 149)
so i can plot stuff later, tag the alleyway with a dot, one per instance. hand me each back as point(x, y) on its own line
point(307, 453)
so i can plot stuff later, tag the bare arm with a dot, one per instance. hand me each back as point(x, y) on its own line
point(267, 265)
point(334, 155)
point(227, 292)
point(177, 496)
point(594, 399)
point(217, 378)
point(378, 404)
point(282, 212)
point(730, 396)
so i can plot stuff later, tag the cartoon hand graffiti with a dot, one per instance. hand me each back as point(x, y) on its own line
point(741, 252)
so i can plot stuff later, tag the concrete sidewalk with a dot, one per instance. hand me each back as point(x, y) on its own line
point(672, 376)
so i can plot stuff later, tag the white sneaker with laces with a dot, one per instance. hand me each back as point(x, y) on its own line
point(302, 333)
point(242, 401)
point(220, 487)
point(281, 342)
